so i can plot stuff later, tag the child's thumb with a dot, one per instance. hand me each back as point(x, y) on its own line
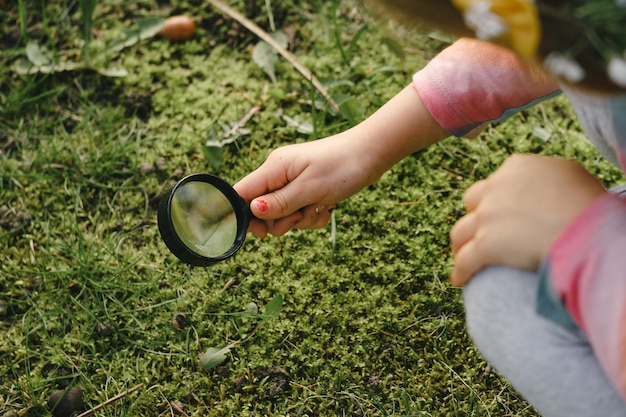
point(275, 205)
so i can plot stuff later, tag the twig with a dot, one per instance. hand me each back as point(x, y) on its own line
point(110, 400)
point(229, 283)
point(252, 27)
point(241, 122)
point(178, 408)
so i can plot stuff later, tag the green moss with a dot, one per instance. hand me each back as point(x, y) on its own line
point(88, 291)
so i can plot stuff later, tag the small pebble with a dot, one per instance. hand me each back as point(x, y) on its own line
point(104, 329)
point(146, 168)
point(180, 321)
point(160, 164)
point(64, 403)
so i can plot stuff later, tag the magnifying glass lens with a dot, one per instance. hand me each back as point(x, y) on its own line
point(203, 220)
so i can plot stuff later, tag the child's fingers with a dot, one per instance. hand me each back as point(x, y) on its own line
point(315, 216)
point(311, 217)
point(261, 228)
point(463, 231)
point(284, 201)
point(258, 227)
point(474, 194)
point(281, 226)
point(467, 262)
point(254, 184)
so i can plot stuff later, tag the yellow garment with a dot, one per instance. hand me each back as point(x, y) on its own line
point(521, 18)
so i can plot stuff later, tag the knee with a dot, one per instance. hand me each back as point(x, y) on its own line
point(479, 296)
point(495, 298)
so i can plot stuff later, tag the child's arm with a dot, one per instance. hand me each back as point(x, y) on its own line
point(467, 85)
point(289, 189)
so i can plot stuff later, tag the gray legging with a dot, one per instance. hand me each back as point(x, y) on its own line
point(551, 367)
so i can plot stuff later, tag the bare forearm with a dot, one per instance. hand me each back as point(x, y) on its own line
point(400, 127)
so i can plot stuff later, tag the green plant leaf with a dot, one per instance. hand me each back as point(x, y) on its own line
point(541, 133)
point(25, 67)
point(213, 154)
point(251, 309)
point(212, 149)
point(349, 106)
point(214, 357)
point(266, 57)
point(302, 126)
point(145, 29)
point(150, 26)
point(87, 8)
point(36, 54)
point(113, 72)
point(273, 308)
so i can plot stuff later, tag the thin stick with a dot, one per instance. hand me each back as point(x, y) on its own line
point(241, 122)
point(252, 27)
point(230, 283)
point(110, 400)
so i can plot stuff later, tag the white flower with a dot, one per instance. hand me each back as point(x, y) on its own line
point(484, 22)
point(564, 67)
point(621, 3)
point(616, 70)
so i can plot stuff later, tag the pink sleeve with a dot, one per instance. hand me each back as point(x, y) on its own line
point(587, 266)
point(474, 82)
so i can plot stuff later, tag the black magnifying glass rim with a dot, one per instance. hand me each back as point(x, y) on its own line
point(174, 242)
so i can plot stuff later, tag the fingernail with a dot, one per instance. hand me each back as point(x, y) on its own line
point(261, 205)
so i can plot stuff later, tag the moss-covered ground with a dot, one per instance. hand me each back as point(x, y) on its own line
point(90, 296)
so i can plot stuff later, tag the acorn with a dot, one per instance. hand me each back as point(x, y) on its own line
point(64, 403)
point(178, 28)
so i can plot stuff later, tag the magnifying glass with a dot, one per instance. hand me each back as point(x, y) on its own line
point(203, 220)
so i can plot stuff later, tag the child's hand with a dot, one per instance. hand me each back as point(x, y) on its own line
point(516, 214)
point(299, 185)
